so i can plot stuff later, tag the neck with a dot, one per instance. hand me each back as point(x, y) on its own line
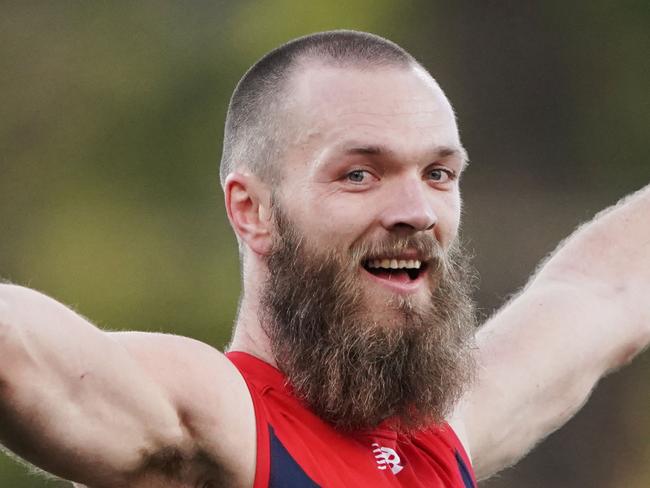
point(249, 336)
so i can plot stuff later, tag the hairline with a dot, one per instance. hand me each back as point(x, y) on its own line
point(284, 104)
point(253, 140)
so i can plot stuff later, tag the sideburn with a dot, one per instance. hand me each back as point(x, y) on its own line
point(343, 362)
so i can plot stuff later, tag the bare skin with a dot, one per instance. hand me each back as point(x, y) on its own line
point(119, 409)
point(146, 410)
point(584, 314)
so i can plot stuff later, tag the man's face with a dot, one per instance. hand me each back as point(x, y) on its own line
point(367, 305)
point(376, 154)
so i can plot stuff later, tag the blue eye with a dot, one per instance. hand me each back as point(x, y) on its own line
point(440, 175)
point(356, 176)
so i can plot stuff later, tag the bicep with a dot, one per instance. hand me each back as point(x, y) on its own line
point(584, 314)
point(74, 401)
point(538, 359)
point(208, 390)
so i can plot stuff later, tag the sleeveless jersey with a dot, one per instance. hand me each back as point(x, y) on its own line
point(297, 449)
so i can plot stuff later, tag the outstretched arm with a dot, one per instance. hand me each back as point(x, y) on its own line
point(583, 314)
point(72, 400)
point(111, 409)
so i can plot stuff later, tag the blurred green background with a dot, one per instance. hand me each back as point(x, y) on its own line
point(110, 139)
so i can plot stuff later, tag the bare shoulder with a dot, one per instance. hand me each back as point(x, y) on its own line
point(186, 367)
point(209, 393)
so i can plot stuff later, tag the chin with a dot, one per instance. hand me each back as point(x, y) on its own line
point(393, 311)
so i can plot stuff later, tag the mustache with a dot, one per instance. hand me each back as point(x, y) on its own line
point(426, 247)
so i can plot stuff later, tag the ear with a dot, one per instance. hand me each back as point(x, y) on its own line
point(248, 202)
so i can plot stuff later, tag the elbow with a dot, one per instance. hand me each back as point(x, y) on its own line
point(614, 316)
point(630, 350)
point(630, 324)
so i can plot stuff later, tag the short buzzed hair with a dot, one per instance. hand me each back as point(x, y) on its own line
point(255, 129)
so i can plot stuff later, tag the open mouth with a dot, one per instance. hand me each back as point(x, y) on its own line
point(398, 270)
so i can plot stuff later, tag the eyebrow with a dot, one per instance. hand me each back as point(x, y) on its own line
point(380, 150)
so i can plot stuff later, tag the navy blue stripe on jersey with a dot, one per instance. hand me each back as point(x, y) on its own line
point(464, 472)
point(285, 471)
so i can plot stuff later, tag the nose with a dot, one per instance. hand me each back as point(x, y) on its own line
point(408, 207)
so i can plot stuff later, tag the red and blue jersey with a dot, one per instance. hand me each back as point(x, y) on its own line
point(296, 449)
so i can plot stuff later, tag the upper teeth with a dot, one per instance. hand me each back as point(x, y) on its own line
point(395, 263)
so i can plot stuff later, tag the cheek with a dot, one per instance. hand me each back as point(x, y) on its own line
point(449, 220)
point(342, 222)
point(326, 221)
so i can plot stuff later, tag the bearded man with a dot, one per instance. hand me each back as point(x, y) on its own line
point(354, 360)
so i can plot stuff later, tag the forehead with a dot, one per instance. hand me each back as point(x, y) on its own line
point(402, 108)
